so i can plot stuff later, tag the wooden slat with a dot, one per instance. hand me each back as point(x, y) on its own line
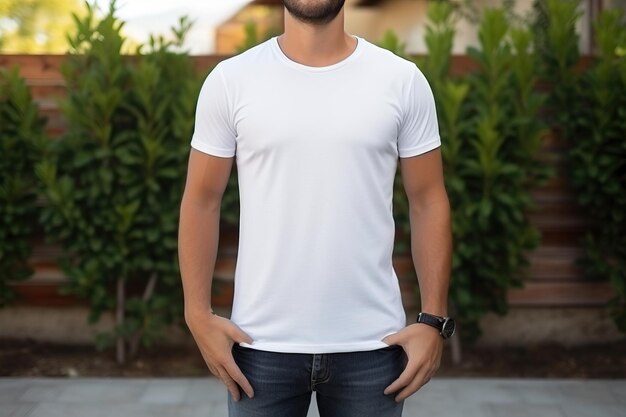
point(40, 294)
point(564, 294)
point(555, 264)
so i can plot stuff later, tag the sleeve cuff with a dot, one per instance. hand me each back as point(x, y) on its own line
point(418, 150)
point(211, 150)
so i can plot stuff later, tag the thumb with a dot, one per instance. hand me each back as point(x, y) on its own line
point(390, 339)
point(241, 336)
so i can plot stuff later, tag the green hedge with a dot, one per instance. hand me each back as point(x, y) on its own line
point(21, 144)
point(588, 110)
point(114, 180)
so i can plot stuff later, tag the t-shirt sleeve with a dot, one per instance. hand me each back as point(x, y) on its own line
point(419, 131)
point(214, 132)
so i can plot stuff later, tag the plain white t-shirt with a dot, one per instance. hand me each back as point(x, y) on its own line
point(316, 150)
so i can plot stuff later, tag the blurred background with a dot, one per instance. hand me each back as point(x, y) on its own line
point(96, 113)
point(40, 26)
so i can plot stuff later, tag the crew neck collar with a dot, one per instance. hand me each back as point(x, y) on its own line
point(284, 58)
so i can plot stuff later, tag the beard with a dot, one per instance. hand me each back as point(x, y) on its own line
point(315, 12)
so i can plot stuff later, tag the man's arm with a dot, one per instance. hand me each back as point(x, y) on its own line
point(198, 238)
point(431, 230)
point(431, 248)
point(198, 234)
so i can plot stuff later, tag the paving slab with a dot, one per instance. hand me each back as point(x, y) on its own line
point(524, 410)
point(8, 409)
point(207, 397)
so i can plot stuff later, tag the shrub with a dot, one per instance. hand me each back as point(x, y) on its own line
point(498, 168)
point(21, 143)
point(115, 179)
point(588, 109)
point(598, 159)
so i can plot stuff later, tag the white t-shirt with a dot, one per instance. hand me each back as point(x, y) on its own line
point(316, 150)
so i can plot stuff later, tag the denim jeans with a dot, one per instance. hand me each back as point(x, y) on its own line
point(346, 384)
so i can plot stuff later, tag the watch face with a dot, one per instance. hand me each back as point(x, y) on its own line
point(448, 328)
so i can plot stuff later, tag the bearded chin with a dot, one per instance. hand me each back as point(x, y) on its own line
point(314, 12)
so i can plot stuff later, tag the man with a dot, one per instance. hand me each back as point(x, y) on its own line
point(317, 119)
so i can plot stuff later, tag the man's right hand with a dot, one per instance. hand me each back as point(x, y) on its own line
point(215, 337)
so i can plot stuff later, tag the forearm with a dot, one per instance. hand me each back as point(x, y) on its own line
point(431, 249)
point(198, 239)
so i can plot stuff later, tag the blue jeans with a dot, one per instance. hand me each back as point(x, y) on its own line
point(347, 384)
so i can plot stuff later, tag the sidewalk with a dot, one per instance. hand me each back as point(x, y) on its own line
point(206, 397)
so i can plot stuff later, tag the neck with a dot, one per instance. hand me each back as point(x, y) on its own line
point(316, 45)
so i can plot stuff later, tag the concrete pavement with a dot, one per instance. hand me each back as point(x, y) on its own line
point(206, 397)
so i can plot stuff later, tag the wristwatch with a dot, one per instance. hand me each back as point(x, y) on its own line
point(445, 325)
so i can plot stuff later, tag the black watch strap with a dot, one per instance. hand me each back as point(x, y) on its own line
point(438, 323)
point(431, 320)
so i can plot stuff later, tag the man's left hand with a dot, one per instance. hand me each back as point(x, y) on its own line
point(423, 346)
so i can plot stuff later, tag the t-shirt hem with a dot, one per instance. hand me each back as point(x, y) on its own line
point(418, 150)
point(212, 150)
point(315, 348)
